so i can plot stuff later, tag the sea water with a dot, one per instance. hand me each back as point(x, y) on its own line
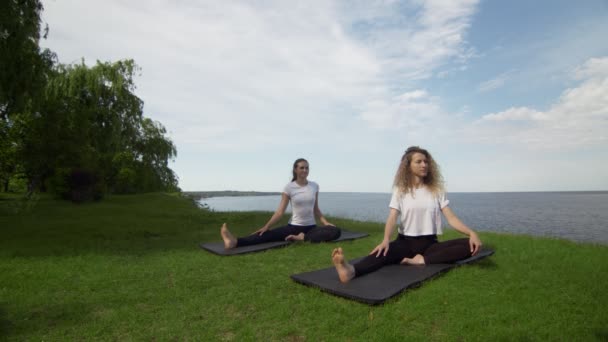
point(578, 216)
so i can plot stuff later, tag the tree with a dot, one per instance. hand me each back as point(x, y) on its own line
point(23, 72)
point(22, 63)
point(8, 162)
point(154, 151)
point(73, 127)
point(92, 122)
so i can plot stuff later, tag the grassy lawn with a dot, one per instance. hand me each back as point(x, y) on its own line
point(129, 268)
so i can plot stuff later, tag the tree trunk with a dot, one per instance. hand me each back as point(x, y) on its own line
point(32, 185)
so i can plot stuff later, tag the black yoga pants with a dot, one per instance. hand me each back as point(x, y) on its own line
point(408, 246)
point(311, 233)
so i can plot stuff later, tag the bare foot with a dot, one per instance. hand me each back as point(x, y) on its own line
point(299, 237)
point(346, 271)
point(417, 260)
point(229, 239)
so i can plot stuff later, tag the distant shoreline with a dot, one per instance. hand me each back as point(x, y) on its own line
point(226, 193)
point(233, 193)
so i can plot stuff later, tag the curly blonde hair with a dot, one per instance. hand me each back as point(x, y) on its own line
point(404, 180)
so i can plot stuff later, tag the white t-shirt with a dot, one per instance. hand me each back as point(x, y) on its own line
point(420, 214)
point(302, 200)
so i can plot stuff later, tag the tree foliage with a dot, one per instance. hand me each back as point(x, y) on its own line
point(93, 122)
point(76, 130)
point(22, 63)
point(23, 68)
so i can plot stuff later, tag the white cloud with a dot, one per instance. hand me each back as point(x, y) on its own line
point(408, 112)
point(516, 114)
point(413, 38)
point(222, 74)
point(593, 68)
point(578, 118)
point(233, 75)
point(494, 83)
point(232, 80)
point(410, 48)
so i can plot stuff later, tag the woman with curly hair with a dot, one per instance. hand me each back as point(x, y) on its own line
point(416, 206)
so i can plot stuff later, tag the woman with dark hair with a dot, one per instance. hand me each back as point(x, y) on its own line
point(304, 197)
point(416, 206)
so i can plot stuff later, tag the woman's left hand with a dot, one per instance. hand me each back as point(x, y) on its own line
point(327, 223)
point(474, 243)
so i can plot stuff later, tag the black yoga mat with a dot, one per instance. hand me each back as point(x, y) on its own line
point(376, 287)
point(218, 247)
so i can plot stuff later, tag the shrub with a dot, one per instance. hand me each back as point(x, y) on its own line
point(58, 184)
point(125, 181)
point(84, 186)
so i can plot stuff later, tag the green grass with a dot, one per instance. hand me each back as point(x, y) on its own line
point(129, 268)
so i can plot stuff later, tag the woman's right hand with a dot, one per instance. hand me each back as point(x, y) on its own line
point(383, 246)
point(260, 231)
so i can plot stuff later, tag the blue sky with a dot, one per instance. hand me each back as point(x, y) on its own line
point(507, 96)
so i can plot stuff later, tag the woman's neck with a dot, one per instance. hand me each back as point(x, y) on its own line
point(301, 182)
point(417, 182)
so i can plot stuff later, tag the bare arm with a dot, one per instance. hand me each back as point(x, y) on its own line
point(277, 214)
point(389, 228)
point(319, 214)
point(455, 222)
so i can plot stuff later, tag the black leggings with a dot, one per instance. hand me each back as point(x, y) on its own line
point(311, 233)
point(408, 246)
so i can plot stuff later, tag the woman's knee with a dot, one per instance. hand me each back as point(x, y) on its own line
point(321, 234)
